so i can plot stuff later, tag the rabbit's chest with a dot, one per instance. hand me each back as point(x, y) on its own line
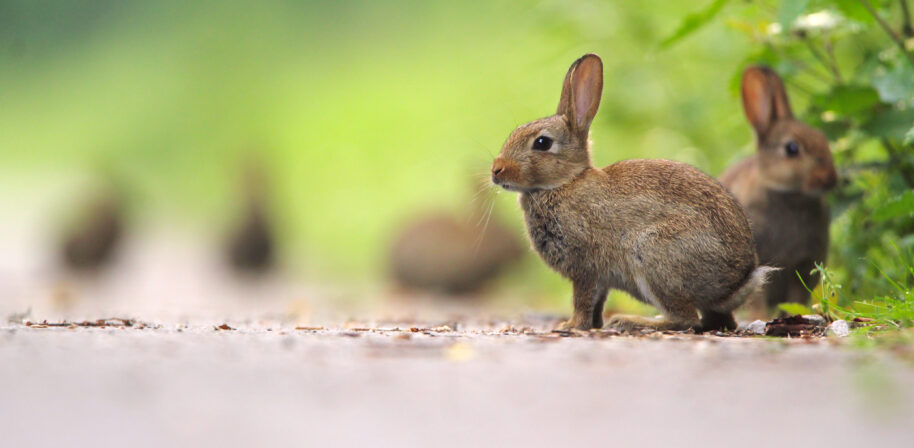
point(790, 231)
point(552, 238)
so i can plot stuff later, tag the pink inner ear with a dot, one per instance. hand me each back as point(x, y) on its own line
point(588, 86)
point(757, 101)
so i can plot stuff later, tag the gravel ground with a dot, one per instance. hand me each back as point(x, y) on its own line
point(268, 383)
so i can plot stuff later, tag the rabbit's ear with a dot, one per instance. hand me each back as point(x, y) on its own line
point(764, 98)
point(565, 99)
point(581, 92)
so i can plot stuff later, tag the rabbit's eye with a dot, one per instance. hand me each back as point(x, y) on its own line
point(542, 143)
point(792, 149)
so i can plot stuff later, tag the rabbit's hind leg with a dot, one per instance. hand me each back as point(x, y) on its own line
point(673, 320)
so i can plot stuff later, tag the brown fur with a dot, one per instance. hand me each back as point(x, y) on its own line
point(782, 195)
point(93, 242)
point(251, 247)
point(662, 231)
point(441, 252)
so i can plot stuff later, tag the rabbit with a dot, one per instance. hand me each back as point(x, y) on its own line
point(92, 242)
point(250, 247)
point(782, 188)
point(662, 231)
point(441, 252)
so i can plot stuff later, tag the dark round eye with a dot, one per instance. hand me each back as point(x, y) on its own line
point(792, 149)
point(542, 143)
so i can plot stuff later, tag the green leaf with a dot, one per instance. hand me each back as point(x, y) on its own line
point(909, 137)
point(898, 206)
point(890, 123)
point(789, 11)
point(693, 22)
point(795, 308)
point(852, 9)
point(896, 84)
point(847, 99)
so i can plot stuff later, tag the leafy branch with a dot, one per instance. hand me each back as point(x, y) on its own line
point(888, 29)
point(907, 29)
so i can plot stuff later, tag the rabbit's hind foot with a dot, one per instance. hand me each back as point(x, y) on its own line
point(628, 323)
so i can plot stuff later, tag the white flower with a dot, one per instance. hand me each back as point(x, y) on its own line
point(822, 20)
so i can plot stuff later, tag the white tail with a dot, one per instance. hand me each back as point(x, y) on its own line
point(752, 286)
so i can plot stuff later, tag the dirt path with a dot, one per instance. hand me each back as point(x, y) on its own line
point(267, 383)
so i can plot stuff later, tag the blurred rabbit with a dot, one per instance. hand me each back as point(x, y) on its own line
point(250, 247)
point(781, 187)
point(662, 231)
point(445, 253)
point(92, 241)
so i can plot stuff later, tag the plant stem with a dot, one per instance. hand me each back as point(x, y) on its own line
point(800, 87)
point(812, 71)
point(821, 58)
point(833, 63)
point(802, 65)
point(907, 29)
point(885, 26)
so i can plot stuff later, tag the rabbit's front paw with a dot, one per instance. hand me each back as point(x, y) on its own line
point(574, 324)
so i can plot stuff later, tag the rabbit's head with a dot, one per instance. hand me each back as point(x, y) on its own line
point(792, 156)
point(551, 151)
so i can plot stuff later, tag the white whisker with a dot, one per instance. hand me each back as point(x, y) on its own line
point(482, 234)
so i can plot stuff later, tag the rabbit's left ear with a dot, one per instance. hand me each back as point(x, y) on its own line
point(764, 99)
point(581, 92)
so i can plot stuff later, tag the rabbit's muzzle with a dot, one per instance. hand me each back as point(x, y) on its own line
point(822, 179)
point(504, 172)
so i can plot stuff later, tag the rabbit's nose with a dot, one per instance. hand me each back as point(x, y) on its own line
point(831, 180)
point(498, 167)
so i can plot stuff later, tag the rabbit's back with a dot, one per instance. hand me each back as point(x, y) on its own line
point(677, 190)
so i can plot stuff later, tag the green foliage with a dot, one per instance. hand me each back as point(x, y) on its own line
point(790, 10)
point(795, 308)
point(844, 65)
point(895, 309)
point(898, 207)
point(694, 22)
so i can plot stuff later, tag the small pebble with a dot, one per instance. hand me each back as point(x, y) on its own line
point(756, 327)
point(839, 328)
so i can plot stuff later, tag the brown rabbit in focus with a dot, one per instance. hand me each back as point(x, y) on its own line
point(662, 231)
point(781, 187)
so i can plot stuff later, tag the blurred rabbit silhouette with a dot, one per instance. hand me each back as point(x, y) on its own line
point(250, 246)
point(448, 253)
point(92, 241)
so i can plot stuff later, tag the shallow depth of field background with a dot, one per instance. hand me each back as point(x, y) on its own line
point(364, 114)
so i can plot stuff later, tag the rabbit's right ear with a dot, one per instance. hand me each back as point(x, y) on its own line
point(764, 98)
point(581, 92)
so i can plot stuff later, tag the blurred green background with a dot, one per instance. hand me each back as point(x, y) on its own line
point(364, 113)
